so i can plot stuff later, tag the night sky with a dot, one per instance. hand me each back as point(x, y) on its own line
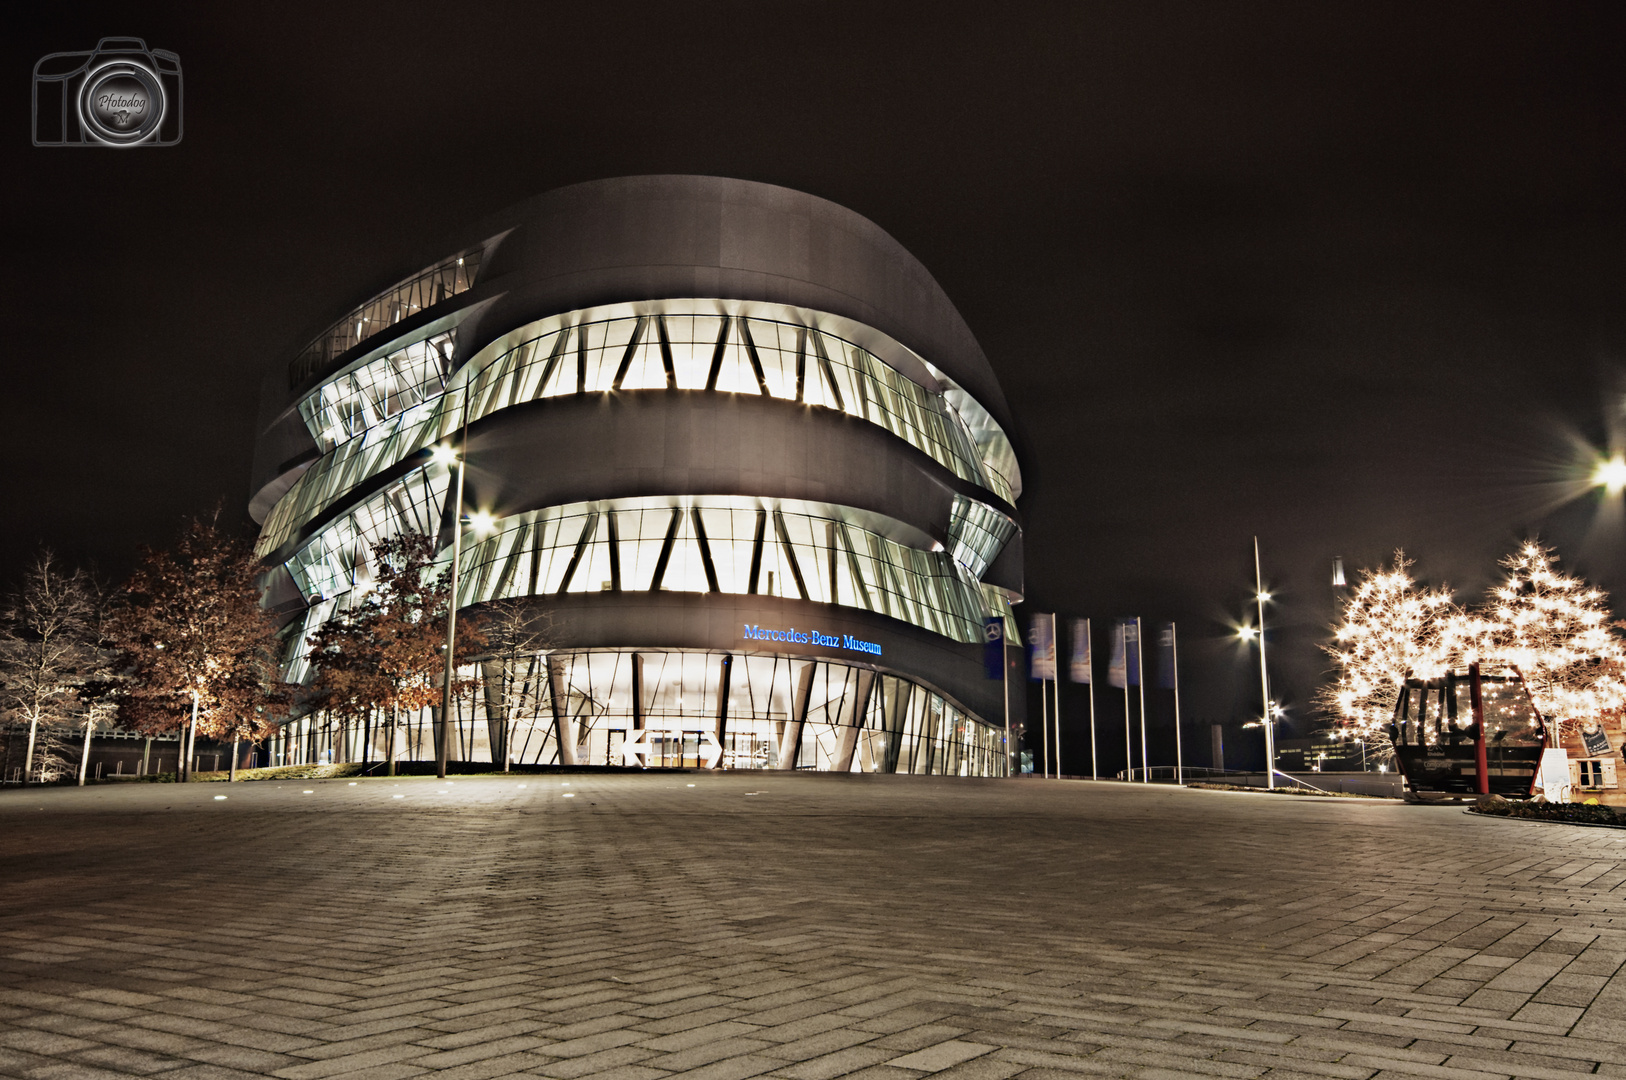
point(1348, 277)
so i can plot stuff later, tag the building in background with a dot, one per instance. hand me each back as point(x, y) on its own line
point(733, 448)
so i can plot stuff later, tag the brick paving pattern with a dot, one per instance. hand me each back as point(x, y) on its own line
point(720, 927)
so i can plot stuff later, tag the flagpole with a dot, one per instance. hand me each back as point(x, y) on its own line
point(1089, 650)
point(1005, 680)
point(1044, 727)
point(1140, 675)
point(1174, 662)
point(1129, 743)
point(1055, 677)
point(1264, 673)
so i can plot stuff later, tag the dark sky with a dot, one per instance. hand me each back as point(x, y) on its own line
point(1349, 277)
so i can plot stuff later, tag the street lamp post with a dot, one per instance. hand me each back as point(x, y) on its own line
point(1260, 596)
point(443, 744)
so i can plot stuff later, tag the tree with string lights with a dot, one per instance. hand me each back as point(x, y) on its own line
point(1392, 627)
point(1557, 631)
point(1553, 628)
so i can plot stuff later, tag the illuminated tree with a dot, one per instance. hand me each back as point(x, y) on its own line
point(1556, 630)
point(1391, 628)
point(385, 653)
point(195, 641)
point(49, 660)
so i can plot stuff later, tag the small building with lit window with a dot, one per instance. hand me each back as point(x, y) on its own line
point(729, 447)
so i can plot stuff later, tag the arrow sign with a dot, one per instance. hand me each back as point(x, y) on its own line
point(637, 751)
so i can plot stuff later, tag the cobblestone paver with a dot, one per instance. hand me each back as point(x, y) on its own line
point(722, 927)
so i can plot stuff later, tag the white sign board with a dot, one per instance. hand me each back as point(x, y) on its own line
point(1554, 778)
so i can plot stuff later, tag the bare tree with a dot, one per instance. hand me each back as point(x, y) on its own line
point(515, 669)
point(48, 651)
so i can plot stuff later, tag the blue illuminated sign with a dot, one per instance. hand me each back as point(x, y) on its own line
point(794, 636)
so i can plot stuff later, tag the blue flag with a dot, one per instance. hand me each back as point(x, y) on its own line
point(993, 649)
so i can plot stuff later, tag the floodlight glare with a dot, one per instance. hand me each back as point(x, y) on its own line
point(1611, 474)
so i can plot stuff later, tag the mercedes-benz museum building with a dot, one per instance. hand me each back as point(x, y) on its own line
point(729, 449)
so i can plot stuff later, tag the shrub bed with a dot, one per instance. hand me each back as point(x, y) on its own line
point(1574, 813)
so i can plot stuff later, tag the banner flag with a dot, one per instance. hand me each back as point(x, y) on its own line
point(1083, 664)
point(993, 649)
point(1125, 670)
point(1041, 647)
point(1165, 657)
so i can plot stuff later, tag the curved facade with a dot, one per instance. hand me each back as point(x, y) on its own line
point(730, 444)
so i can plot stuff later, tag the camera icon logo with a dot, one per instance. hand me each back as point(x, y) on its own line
point(119, 94)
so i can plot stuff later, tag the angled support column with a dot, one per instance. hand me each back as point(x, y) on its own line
point(722, 705)
point(790, 744)
point(494, 681)
point(564, 728)
point(896, 706)
point(853, 711)
point(637, 692)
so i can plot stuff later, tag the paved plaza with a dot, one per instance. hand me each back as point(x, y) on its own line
point(805, 927)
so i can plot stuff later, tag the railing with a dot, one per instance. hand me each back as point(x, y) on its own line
point(1330, 783)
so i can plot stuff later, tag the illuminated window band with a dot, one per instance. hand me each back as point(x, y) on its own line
point(776, 712)
point(336, 559)
point(368, 423)
point(739, 546)
point(423, 290)
point(727, 354)
point(722, 544)
point(366, 396)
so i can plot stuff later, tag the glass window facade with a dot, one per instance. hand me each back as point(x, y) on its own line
point(773, 712)
point(347, 406)
point(373, 418)
point(721, 544)
point(336, 559)
point(731, 354)
point(977, 533)
point(351, 463)
point(403, 300)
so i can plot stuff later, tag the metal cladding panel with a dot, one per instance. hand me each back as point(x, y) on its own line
point(1007, 569)
point(678, 442)
point(716, 622)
